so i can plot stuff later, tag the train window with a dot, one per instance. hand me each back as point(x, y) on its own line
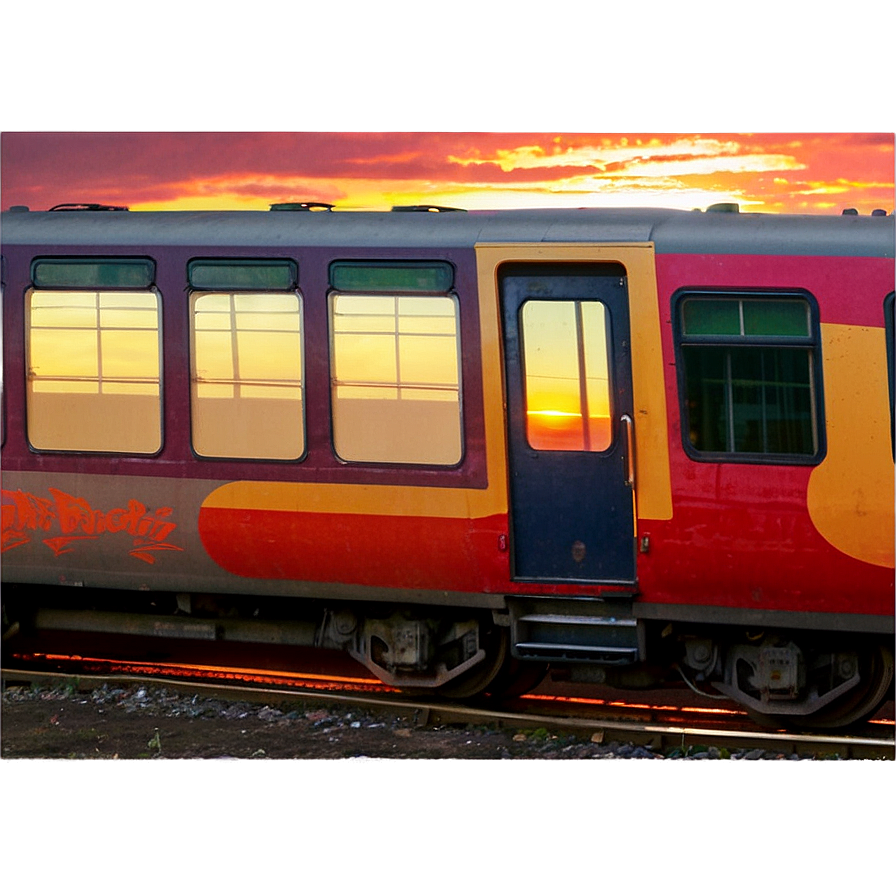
point(392, 276)
point(92, 273)
point(93, 360)
point(396, 378)
point(246, 383)
point(749, 373)
point(567, 377)
point(254, 274)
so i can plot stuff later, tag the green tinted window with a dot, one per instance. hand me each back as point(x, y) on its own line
point(776, 318)
point(92, 273)
point(234, 274)
point(745, 317)
point(391, 277)
point(749, 376)
point(709, 317)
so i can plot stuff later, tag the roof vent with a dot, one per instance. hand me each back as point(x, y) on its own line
point(426, 208)
point(88, 207)
point(728, 207)
point(879, 213)
point(19, 208)
point(302, 207)
point(849, 211)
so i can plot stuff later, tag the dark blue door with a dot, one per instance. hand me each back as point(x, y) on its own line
point(570, 431)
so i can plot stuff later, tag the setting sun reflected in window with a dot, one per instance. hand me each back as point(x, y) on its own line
point(567, 380)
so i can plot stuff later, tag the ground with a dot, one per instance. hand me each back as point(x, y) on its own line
point(141, 722)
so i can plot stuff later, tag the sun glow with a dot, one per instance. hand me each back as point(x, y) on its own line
point(219, 171)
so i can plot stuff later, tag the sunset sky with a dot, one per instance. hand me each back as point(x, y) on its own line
point(773, 172)
point(478, 106)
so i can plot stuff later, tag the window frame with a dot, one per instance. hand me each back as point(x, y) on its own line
point(143, 265)
point(581, 369)
point(442, 272)
point(200, 266)
point(136, 263)
point(397, 293)
point(812, 342)
point(195, 293)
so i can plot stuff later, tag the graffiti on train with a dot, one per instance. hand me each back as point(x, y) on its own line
point(62, 520)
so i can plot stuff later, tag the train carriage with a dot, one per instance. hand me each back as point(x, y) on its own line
point(463, 446)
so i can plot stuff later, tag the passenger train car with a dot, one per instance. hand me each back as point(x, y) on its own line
point(628, 445)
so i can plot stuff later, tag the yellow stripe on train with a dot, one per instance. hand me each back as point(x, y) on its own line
point(850, 494)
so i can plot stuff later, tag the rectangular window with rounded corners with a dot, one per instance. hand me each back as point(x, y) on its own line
point(82, 272)
point(400, 277)
point(247, 274)
point(749, 373)
point(246, 378)
point(395, 377)
point(93, 359)
point(567, 375)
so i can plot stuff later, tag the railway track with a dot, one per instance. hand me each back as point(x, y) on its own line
point(661, 727)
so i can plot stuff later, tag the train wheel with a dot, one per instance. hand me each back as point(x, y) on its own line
point(499, 676)
point(861, 703)
point(495, 641)
point(516, 679)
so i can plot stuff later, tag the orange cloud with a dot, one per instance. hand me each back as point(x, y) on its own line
point(762, 172)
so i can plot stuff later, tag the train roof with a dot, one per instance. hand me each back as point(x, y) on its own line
point(724, 231)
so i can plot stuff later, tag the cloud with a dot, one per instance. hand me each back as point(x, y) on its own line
point(599, 154)
point(252, 170)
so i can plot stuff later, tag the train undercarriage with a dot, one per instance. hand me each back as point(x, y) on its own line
point(783, 679)
point(793, 679)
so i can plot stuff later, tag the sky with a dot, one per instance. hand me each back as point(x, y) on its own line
point(477, 106)
point(813, 172)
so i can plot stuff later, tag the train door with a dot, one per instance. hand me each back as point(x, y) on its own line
point(569, 418)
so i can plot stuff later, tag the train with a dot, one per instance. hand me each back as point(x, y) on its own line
point(634, 447)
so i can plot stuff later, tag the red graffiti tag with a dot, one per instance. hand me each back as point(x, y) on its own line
point(75, 520)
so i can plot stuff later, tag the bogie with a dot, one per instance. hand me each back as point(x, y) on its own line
point(789, 679)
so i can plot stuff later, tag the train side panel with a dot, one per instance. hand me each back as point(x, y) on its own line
point(315, 527)
point(818, 539)
point(801, 537)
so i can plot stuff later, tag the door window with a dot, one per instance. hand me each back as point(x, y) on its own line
point(566, 375)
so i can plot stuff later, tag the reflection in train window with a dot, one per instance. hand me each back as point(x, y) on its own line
point(246, 383)
point(93, 371)
point(749, 375)
point(396, 378)
point(567, 378)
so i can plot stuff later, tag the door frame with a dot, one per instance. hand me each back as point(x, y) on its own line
point(558, 535)
point(653, 490)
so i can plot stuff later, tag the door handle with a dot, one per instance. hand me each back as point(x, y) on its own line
point(629, 426)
